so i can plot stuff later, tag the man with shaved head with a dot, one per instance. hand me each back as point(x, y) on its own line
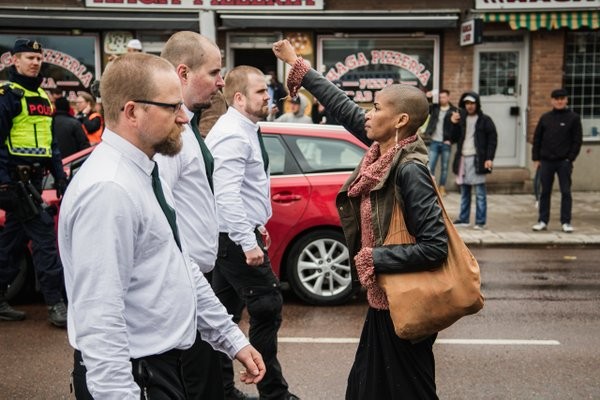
point(197, 62)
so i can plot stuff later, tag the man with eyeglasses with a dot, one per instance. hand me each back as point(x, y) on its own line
point(28, 149)
point(136, 298)
point(197, 62)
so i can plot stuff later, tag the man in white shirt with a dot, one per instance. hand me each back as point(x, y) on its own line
point(197, 62)
point(136, 300)
point(243, 274)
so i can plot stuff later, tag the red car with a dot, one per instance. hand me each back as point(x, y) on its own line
point(309, 164)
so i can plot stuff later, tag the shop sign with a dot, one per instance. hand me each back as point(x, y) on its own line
point(220, 5)
point(533, 5)
point(470, 32)
point(70, 69)
point(62, 60)
point(360, 75)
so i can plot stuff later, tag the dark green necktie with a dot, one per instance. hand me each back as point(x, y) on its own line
point(209, 161)
point(160, 196)
point(263, 150)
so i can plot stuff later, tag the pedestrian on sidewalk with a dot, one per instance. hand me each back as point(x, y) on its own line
point(476, 137)
point(556, 144)
point(438, 136)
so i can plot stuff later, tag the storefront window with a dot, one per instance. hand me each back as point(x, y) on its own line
point(69, 61)
point(363, 65)
point(582, 78)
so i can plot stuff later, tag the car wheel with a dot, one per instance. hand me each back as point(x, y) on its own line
point(318, 268)
point(17, 286)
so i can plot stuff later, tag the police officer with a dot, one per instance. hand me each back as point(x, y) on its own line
point(27, 150)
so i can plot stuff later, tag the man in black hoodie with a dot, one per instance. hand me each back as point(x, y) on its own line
point(476, 137)
point(556, 144)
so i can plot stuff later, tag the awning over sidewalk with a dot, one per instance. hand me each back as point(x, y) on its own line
point(86, 19)
point(341, 20)
point(548, 20)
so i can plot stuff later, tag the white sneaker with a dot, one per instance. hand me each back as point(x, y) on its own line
point(567, 228)
point(479, 227)
point(540, 226)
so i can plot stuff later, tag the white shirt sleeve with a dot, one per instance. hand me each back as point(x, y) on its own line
point(99, 283)
point(215, 325)
point(230, 157)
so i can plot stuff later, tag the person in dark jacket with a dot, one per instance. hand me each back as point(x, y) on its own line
point(277, 95)
point(28, 151)
point(68, 131)
point(438, 136)
point(393, 171)
point(476, 137)
point(556, 144)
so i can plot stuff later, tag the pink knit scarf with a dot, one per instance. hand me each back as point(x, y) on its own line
point(372, 170)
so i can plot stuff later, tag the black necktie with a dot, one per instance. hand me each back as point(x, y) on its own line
point(263, 150)
point(160, 196)
point(209, 161)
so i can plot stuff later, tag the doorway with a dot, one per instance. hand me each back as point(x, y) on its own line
point(501, 77)
point(254, 49)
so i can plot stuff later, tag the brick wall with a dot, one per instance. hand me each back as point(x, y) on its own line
point(456, 66)
point(546, 72)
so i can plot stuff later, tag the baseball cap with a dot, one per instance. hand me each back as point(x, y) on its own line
point(470, 99)
point(135, 44)
point(556, 93)
point(26, 46)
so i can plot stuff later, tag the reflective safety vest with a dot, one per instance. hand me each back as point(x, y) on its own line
point(31, 133)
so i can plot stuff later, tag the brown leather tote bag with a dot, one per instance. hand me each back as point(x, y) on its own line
point(423, 303)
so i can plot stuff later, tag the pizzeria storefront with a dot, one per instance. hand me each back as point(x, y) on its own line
point(526, 50)
point(360, 50)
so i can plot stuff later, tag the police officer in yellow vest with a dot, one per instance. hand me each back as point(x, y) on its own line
point(27, 151)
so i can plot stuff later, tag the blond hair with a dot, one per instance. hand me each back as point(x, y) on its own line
point(188, 48)
point(236, 81)
point(131, 76)
point(88, 98)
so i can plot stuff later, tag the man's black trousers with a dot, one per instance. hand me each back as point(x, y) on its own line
point(563, 169)
point(160, 377)
point(40, 229)
point(237, 285)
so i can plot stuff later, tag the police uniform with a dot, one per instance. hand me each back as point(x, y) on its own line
point(27, 150)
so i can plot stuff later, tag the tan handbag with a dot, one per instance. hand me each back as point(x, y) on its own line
point(423, 303)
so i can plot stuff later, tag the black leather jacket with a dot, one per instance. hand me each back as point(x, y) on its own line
point(408, 180)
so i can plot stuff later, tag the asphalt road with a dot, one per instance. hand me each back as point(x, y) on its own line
point(536, 338)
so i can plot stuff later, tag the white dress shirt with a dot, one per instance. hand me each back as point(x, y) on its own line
point(242, 187)
point(185, 173)
point(131, 291)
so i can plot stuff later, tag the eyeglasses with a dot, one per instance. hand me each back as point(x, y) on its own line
point(173, 106)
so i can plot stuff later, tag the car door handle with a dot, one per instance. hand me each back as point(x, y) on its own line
point(286, 198)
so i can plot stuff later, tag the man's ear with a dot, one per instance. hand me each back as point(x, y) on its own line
point(239, 99)
point(182, 71)
point(129, 112)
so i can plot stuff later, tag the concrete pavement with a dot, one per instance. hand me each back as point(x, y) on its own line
point(511, 216)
